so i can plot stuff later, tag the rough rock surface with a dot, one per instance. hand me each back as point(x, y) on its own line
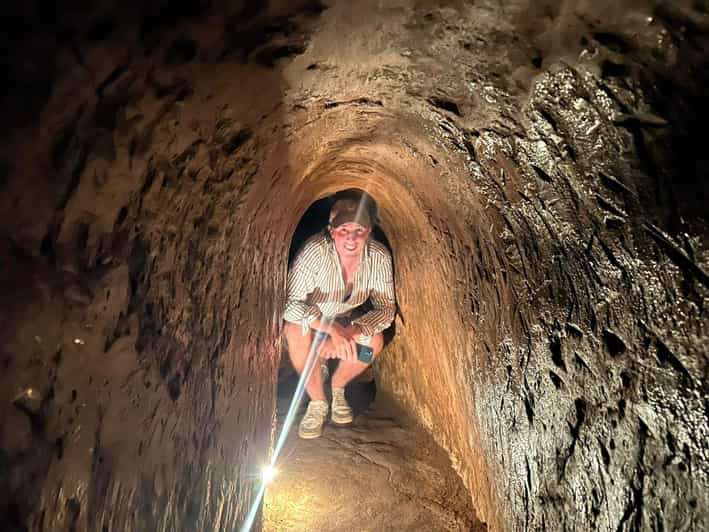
point(384, 472)
point(540, 167)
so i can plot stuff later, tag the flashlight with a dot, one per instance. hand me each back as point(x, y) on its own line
point(268, 474)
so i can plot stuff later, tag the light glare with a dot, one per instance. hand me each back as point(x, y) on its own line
point(268, 474)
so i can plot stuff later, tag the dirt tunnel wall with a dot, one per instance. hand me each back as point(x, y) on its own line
point(431, 223)
point(553, 338)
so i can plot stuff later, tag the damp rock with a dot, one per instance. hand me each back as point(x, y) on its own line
point(29, 400)
point(77, 294)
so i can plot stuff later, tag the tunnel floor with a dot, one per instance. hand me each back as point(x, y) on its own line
point(384, 472)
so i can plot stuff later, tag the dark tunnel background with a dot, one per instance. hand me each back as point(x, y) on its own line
point(315, 220)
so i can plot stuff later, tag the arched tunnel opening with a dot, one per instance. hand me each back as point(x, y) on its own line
point(313, 222)
point(359, 469)
point(539, 170)
point(353, 475)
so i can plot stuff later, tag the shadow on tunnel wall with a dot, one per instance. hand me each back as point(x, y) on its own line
point(138, 333)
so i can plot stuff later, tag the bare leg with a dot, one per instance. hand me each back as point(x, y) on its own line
point(349, 369)
point(298, 349)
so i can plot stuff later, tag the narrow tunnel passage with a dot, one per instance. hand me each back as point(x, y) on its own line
point(382, 469)
point(382, 473)
point(436, 274)
point(540, 172)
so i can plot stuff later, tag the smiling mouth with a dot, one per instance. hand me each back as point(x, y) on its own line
point(350, 248)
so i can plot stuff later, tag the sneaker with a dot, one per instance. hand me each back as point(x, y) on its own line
point(313, 420)
point(341, 411)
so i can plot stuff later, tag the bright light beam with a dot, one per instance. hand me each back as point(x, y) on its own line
point(287, 425)
point(299, 392)
point(268, 474)
point(290, 417)
point(248, 523)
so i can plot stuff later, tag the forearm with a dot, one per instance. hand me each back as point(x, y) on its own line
point(295, 311)
point(375, 321)
point(301, 313)
point(327, 325)
point(383, 301)
point(301, 283)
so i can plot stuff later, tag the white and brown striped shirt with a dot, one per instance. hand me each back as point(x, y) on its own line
point(316, 287)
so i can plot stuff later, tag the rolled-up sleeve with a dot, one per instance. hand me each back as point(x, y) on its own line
point(381, 295)
point(301, 282)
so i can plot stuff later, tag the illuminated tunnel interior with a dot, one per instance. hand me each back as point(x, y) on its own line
point(540, 174)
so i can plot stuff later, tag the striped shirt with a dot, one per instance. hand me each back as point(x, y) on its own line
point(316, 287)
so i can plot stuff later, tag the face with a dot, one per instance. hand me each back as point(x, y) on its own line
point(350, 239)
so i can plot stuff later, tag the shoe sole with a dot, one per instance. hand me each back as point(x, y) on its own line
point(342, 421)
point(309, 436)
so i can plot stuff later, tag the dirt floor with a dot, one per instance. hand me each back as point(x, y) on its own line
point(383, 472)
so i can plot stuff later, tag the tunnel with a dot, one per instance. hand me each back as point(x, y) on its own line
point(540, 174)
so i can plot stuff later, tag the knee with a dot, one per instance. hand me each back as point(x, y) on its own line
point(290, 328)
point(294, 334)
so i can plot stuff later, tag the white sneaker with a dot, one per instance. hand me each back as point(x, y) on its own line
point(313, 420)
point(341, 411)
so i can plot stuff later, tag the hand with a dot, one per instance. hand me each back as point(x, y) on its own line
point(353, 331)
point(344, 345)
point(338, 345)
point(327, 349)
